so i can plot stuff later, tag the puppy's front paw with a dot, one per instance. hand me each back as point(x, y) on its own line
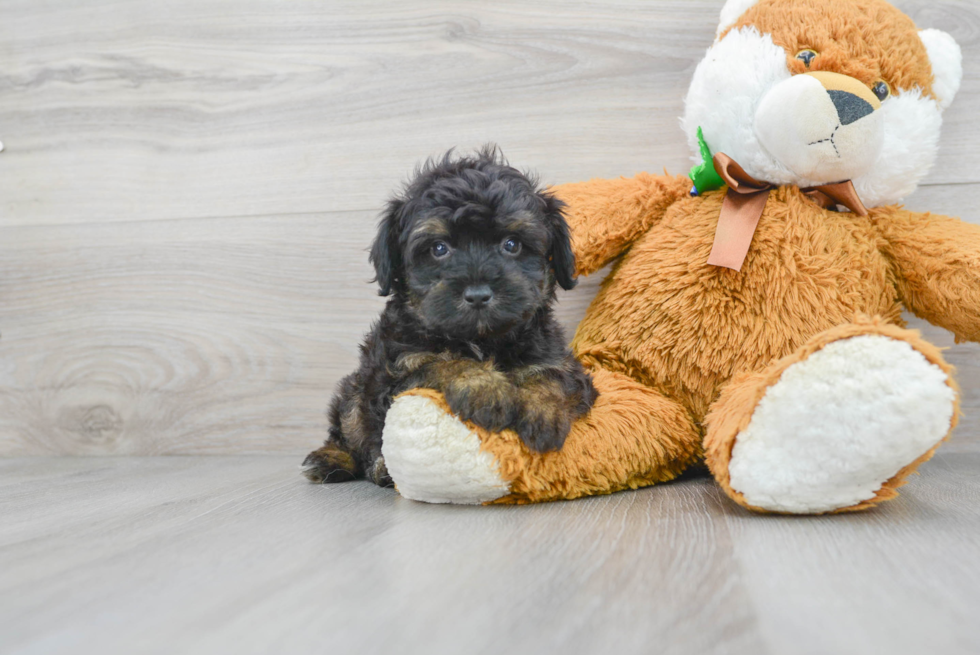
point(490, 404)
point(544, 427)
point(329, 464)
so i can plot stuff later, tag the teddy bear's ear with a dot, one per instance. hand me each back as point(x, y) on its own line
point(947, 64)
point(732, 11)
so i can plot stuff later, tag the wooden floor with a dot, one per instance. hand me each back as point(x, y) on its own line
point(240, 555)
point(187, 189)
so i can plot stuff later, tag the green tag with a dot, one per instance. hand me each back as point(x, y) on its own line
point(704, 175)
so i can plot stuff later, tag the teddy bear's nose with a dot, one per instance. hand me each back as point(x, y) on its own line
point(850, 108)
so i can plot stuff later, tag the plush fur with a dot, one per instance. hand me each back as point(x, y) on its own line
point(847, 471)
point(731, 12)
point(868, 40)
point(470, 254)
point(810, 448)
point(686, 356)
point(435, 457)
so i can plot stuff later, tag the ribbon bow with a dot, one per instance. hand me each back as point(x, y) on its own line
point(743, 205)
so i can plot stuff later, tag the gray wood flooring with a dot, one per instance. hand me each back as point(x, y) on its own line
point(240, 555)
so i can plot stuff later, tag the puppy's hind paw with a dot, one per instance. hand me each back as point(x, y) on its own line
point(379, 474)
point(329, 464)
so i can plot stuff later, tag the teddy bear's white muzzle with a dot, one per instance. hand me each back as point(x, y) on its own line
point(821, 134)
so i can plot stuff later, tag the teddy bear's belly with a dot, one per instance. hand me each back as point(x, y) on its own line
point(666, 318)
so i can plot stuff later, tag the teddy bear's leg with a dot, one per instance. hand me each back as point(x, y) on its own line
point(633, 437)
point(836, 426)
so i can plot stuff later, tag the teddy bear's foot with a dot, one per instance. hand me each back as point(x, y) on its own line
point(434, 457)
point(633, 437)
point(836, 426)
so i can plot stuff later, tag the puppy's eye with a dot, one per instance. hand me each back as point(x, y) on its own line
point(511, 246)
point(806, 56)
point(440, 249)
point(881, 89)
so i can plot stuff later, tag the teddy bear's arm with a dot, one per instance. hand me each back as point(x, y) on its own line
point(606, 216)
point(936, 260)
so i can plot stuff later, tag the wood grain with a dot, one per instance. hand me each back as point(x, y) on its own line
point(186, 108)
point(239, 554)
point(188, 188)
point(900, 580)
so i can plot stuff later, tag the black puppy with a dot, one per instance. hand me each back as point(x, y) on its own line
point(470, 254)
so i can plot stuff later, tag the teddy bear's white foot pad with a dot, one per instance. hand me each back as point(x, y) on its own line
point(434, 457)
point(839, 424)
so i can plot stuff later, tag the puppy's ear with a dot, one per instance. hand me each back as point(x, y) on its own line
point(386, 254)
point(562, 257)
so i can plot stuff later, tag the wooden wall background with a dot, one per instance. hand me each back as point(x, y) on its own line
point(188, 187)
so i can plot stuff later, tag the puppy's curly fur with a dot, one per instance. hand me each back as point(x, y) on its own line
point(470, 254)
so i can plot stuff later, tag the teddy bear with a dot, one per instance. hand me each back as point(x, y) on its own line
point(751, 320)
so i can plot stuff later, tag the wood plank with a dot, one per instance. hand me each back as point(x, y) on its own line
point(146, 110)
point(204, 555)
point(239, 554)
point(170, 337)
point(903, 578)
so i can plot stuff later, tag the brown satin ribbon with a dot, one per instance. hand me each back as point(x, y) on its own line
point(745, 201)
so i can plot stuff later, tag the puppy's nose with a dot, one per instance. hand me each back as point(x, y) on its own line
point(477, 295)
point(850, 108)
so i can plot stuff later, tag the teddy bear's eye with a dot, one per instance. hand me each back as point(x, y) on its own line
point(806, 56)
point(881, 89)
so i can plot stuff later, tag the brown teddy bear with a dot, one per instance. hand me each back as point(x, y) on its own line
point(752, 318)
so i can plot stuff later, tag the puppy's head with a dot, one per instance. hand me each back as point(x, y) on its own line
point(474, 246)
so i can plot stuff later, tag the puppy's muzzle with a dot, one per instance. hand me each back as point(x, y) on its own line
point(478, 296)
